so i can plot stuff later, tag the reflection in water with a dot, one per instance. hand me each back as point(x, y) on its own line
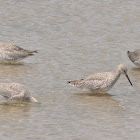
point(99, 101)
point(12, 63)
point(12, 113)
point(14, 118)
point(74, 38)
point(20, 70)
point(14, 108)
point(96, 114)
point(14, 69)
point(136, 69)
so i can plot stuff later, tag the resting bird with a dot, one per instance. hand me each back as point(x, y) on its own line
point(15, 92)
point(134, 57)
point(101, 82)
point(13, 53)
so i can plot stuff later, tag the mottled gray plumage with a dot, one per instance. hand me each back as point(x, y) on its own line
point(135, 57)
point(101, 82)
point(15, 92)
point(13, 53)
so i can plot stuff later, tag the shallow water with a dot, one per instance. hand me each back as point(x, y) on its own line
point(74, 39)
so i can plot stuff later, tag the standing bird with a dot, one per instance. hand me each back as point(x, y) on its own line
point(135, 57)
point(101, 82)
point(13, 53)
point(15, 92)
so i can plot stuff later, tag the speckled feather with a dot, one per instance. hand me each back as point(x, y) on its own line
point(11, 53)
point(135, 57)
point(16, 92)
point(99, 82)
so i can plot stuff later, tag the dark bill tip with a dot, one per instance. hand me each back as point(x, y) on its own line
point(128, 79)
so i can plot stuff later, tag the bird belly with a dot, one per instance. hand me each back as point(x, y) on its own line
point(7, 59)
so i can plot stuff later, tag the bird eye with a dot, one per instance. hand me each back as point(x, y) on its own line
point(124, 71)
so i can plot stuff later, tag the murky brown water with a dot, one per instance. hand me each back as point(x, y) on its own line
point(74, 38)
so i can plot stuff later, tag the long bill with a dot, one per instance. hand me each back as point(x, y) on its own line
point(128, 79)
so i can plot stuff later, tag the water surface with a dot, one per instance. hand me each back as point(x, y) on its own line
point(74, 39)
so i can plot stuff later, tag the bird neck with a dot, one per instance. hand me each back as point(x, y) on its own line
point(117, 73)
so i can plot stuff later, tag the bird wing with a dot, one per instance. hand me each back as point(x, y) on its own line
point(7, 93)
point(98, 76)
point(91, 84)
point(11, 90)
point(8, 52)
point(7, 55)
point(10, 47)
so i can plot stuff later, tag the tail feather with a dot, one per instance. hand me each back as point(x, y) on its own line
point(33, 100)
point(32, 52)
